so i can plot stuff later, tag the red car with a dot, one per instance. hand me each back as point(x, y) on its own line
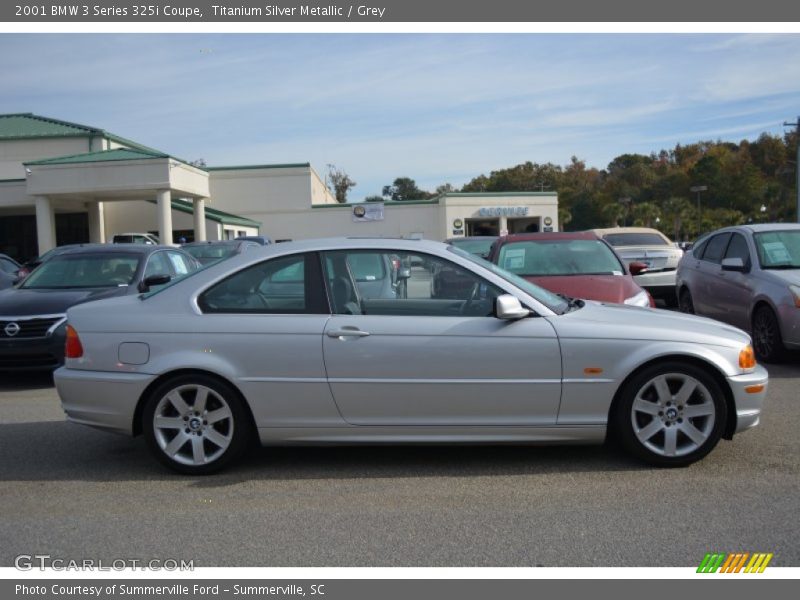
point(579, 265)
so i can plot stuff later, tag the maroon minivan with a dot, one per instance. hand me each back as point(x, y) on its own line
point(577, 264)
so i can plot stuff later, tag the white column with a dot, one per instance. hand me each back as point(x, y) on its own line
point(199, 219)
point(45, 224)
point(97, 224)
point(164, 201)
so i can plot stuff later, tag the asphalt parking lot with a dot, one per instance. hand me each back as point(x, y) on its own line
point(75, 493)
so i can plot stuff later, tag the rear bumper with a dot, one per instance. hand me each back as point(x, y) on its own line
point(101, 399)
point(659, 283)
point(748, 404)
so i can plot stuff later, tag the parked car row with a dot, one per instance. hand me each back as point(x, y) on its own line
point(748, 276)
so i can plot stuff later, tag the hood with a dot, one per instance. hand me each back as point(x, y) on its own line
point(21, 302)
point(789, 276)
point(603, 288)
point(633, 323)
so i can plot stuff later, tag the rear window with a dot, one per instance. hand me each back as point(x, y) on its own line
point(84, 271)
point(635, 239)
point(559, 257)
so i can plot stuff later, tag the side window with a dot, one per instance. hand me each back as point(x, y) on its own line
point(180, 264)
point(385, 282)
point(716, 248)
point(157, 265)
point(285, 285)
point(738, 249)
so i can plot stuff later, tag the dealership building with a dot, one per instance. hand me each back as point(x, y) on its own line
point(63, 183)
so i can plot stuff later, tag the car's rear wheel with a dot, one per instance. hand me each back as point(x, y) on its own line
point(671, 414)
point(685, 302)
point(195, 424)
point(767, 340)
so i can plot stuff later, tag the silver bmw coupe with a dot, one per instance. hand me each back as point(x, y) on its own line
point(343, 341)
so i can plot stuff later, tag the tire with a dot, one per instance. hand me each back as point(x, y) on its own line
point(685, 302)
point(666, 424)
point(671, 300)
point(767, 340)
point(196, 424)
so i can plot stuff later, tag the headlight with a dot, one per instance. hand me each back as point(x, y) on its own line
point(795, 289)
point(640, 299)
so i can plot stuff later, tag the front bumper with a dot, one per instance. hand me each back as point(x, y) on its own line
point(33, 354)
point(789, 317)
point(748, 404)
point(101, 399)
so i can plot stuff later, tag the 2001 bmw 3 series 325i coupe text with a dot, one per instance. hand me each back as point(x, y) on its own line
point(344, 341)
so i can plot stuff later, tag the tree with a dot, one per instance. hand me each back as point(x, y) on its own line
point(645, 214)
point(374, 199)
point(404, 189)
point(340, 183)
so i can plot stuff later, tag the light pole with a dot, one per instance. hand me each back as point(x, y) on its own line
point(797, 164)
point(627, 203)
point(698, 189)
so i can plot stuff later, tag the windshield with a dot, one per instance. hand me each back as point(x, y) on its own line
point(559, 257)
point(635, 239)
point(778, 249)
point(552, 301)
point(211, 253)
point(70, 271)
point(479, 247)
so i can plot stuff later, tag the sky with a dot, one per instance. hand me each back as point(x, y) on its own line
point(438, 108)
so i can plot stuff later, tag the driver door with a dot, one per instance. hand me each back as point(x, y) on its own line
point(428, 350)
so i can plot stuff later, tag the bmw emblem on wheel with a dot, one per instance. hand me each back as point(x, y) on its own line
point(12, 329)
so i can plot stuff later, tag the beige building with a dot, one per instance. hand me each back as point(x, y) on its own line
point(62, 182)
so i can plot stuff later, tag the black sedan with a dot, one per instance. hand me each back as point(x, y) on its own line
point(8, 271)
point(210, 252)
point(32, 315)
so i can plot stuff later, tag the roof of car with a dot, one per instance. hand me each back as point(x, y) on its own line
point(481, 238)
point(116, 248)
point(607, 230)
point(756, 227)
point(543, 237)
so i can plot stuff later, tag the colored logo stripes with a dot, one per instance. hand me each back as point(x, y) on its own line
point(735, 563)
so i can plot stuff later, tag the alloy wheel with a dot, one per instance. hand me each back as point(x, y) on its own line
point(673, 414)
point(193, 425)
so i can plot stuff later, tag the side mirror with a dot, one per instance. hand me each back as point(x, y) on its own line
point(404, 273)
point(509, 308)
point(637, 268)
point(733, 264)
point(144, 286)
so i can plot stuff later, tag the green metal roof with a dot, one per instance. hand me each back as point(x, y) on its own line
point(213, 214)
point(246, 167)
point(102, 156)
point(28, 125)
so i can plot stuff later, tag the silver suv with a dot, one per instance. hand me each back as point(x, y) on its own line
point(748, 276)
point(654, 250)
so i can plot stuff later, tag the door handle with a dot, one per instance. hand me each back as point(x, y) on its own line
point(345, 333)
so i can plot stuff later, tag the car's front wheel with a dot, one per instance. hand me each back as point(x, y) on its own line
point(195, 424)
point(685, 302)
point(670, 414)
point(767, 340)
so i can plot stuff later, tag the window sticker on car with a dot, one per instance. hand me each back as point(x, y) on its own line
point(616, 272)
point(180, 266)
point(514, 258)
point(776, 252)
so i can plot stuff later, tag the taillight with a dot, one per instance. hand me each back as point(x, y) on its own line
point(396, 264)
point(73, 347)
